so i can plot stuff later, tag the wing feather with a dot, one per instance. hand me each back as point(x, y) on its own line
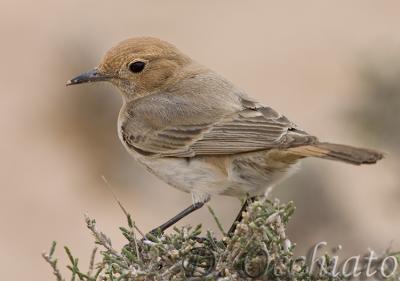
point(251, 129)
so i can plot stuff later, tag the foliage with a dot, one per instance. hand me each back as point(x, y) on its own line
point(257, 250)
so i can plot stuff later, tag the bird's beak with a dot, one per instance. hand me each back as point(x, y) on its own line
point(93, 75)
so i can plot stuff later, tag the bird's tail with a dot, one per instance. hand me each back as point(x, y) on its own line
point(339, 152)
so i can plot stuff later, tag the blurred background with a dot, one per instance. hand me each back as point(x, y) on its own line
point(332, 67)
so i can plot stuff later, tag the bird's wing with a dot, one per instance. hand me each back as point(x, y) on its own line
point(249, 129)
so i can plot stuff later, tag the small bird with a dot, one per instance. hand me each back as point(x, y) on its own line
point(198, 132)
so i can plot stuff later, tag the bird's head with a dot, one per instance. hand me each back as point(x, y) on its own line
point(138, 66)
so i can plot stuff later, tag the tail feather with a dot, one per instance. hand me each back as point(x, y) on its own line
point(340, 152)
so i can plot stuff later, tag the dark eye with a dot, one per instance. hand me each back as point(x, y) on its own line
point(136, 66)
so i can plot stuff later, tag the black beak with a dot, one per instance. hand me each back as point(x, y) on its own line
point(91, 76)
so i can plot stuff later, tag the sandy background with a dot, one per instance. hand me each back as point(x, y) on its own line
point(306, 59)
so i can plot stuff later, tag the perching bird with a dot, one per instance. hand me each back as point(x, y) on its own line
point(197, 131)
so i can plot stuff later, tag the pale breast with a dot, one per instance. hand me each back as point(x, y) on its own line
point(225, 175)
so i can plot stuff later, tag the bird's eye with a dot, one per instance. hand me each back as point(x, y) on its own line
point(136, 66)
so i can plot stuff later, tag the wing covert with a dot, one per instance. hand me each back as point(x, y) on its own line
point(248, 130)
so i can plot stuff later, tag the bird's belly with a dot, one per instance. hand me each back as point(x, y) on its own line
point(190, 175)
point(226, 175)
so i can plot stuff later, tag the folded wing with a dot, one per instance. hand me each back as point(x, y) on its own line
point(250, 129)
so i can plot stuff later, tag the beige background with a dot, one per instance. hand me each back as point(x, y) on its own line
point(303, 58)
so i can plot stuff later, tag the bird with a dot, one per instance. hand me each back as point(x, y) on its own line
point(198, 132)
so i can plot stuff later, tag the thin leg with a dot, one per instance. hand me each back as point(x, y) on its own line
point(239, 217)
point(178, 217)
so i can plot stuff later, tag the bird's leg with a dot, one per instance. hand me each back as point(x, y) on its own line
point(239, 217)
point(193, 207)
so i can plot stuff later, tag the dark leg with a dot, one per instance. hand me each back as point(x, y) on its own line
point(178, 217)
point(239, 217)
